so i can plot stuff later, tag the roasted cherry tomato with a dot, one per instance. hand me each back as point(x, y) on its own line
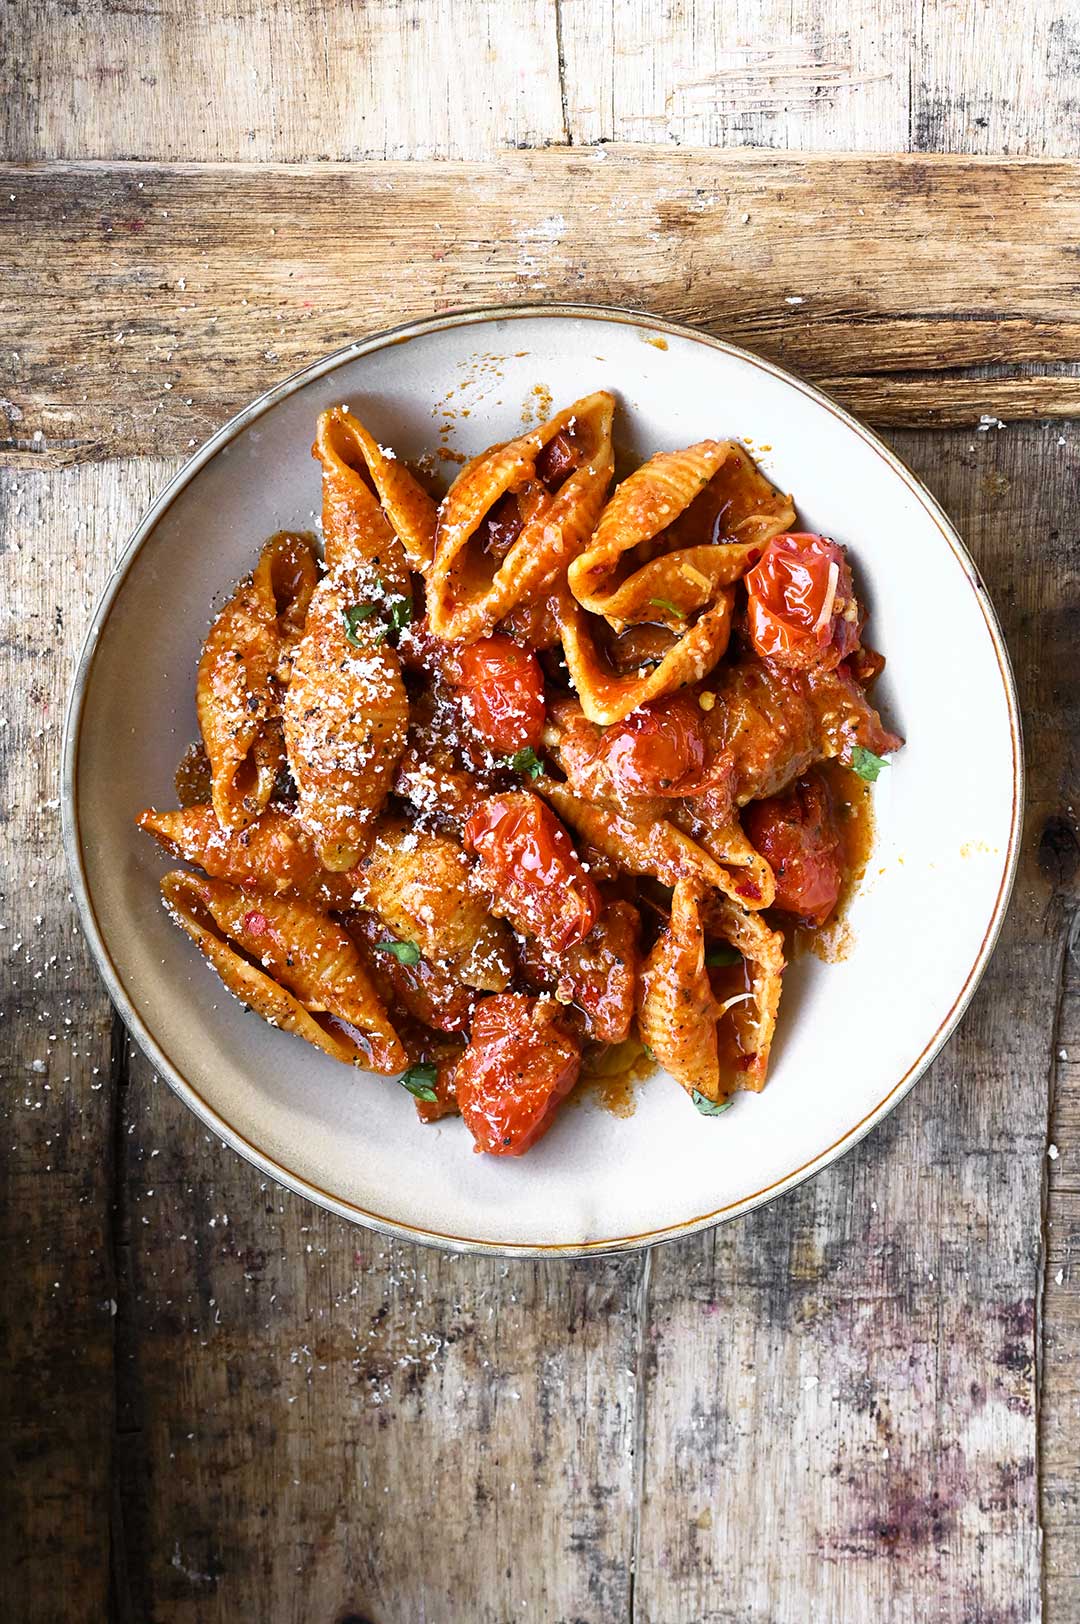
point(661, 749)
point(527, 861)
point(801, 606)
point(520, 1062)
point(797, 835)
point(502, 692)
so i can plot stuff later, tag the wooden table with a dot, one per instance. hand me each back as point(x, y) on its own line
point(220, 1404)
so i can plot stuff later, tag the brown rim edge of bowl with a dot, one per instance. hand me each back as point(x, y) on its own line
point(109, 973)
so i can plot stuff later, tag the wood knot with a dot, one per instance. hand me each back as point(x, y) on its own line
point(1059, 851)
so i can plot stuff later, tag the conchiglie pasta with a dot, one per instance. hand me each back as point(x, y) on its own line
point(681, 527)
point(677, 1012)
point(608, 696)
point(753, 1019)
point(516, 516)
point(654, 846)
point(246, 663)
point(291, 964)
point(346, 719)
point(373, 509)
point(272, 853)
point(712, 1044)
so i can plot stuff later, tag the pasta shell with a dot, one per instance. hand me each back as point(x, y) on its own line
point(469, 590)
point(753, 1019)
point(685, 524)
point(418, 884)
point(346, 719)
point(291, 964)
point(608, 696)
point(677, 1012)
point(245, 659)
point(711, 821)
point(374, 511)
point(653, 846)
point(710, 1046)
point(709, 818)
point(273, 853)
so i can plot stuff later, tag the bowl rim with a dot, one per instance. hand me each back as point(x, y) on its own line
point(404, 332)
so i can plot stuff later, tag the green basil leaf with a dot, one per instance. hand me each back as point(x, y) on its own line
point(354, 619)
point(866, 764)
point(420, 1082)
point(526, 761)
point(401, 613)
point(721, 955)
point(709, 1107)
point(404, 952)
point(672, 608)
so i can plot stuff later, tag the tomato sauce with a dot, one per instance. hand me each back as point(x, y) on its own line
point(853, 800)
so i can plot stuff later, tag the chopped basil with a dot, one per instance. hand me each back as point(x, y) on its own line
point(709, 1107)
point(526, 761)
point(672, 608)
point(721, 955)
point(354, 618)
point(420, 1082)
point(866, 764)
point(401, 613)
point(404, 952)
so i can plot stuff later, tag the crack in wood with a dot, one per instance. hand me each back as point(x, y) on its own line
point(121, 1605)
point(641, 1388)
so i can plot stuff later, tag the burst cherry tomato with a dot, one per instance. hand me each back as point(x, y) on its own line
point(801, 604)
point(661, 749)
point(527, 861)
point(520, 1062)
point(502, 691)
point(797, 835)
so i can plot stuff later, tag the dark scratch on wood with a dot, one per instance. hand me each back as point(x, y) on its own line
point(642, 1365)
point(567, 134)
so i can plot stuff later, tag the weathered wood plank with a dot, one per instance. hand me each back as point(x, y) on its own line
point(1060, 1430)
point(146, 304)
point(322, 1423)
point(840, 1418)
point(871, 76)
point(225, 79)
point(57, 1129)
point(348, 79)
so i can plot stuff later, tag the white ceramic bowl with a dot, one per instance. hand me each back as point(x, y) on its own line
point(853, 1036)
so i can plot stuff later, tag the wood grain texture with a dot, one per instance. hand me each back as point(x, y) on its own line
point(322, 1422)
point(58, 1288)
point(1060, 1420)
point(370, 1431)
point(147, 304)
point(348, 79)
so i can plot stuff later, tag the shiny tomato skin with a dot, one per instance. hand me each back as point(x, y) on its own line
point(520, 1063)
point(786, 595)
point(527, 861)
point(797, 835)
point(661, 749)
point(502, 691)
